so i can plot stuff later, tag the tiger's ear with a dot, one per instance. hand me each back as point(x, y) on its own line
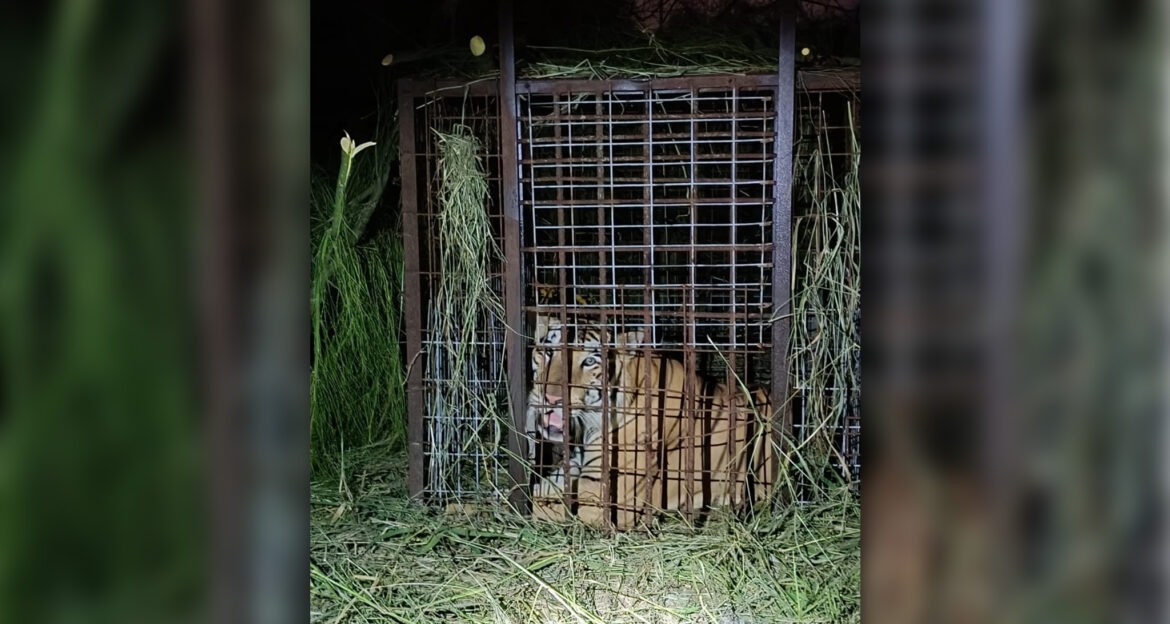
point(542, 321)
point(631, 339)
point(548, 329)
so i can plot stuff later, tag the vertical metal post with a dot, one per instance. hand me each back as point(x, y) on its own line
point(732, 336)
point(219, 292)
point(648, 309)
point(782, 220)
point(412, 292)
point(514, 339)
point(1002, 240)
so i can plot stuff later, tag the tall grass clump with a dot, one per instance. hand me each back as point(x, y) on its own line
point(357, 379)
point(826, 339)
point(463, 416)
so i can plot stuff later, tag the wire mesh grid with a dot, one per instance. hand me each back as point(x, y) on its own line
point(464, 451)
point(643, 209)
point(826, 276)
point(651, 211)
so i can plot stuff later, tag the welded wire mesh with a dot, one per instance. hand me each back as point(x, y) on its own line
point(826, 332)
point(651, 210)
point(466, 426)
point(644, 209)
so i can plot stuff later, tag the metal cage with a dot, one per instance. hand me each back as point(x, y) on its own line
point(642, 206)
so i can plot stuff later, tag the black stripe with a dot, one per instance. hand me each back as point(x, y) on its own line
point(613, 463)
point(662, 365)
point(708, 404)
point(750, 494)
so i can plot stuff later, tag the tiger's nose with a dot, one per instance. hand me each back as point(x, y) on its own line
point(552, 399)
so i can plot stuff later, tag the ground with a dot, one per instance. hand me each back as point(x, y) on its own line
point(377, 557)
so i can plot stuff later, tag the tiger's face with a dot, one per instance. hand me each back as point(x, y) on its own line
point(564, 356)
point(580, 365)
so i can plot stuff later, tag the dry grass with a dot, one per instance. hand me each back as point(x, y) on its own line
point(826, 298)
point(377, 557)
point(464, 417)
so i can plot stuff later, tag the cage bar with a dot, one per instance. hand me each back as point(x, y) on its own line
point(650, 208)
point(457, 451)
point(515, 341)
point(642, 205)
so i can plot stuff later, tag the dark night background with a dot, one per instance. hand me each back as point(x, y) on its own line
point(350, 38)
point(154, 255)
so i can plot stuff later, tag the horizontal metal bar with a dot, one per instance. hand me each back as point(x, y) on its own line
point(665, 229)
point(658, 183)
point(661, 202)
point(742, 288)
point(837, 79)
point(843, 79)
point(565, 121)
point(763, 247)
point(668, 314)
point(559, 86)
point(662, 97)
point(640, 160)
point(684, 139)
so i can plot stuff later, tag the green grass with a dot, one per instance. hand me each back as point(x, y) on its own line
point(99, 431)
point(357, 394)
point(377, 557)
point(826, 298)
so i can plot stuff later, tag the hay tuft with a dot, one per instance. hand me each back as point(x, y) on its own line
point(826, 299)
point(465, 421)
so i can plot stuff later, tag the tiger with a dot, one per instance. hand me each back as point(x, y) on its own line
point(647, 431)
point(543, 451)
point(548, 295)
point(544, 423)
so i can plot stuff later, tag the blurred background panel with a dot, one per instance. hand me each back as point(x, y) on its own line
point(152, 265)
point(152, 338)
point(1013, 367)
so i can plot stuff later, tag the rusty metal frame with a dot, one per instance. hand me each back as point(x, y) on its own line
point(778, 218)
point(411, 289)
point(414, 99)
point(782, 226)
point(411, 89)
point(836, 79)
point(516, 336)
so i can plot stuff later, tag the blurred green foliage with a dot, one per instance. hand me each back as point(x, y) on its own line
point(98, 486)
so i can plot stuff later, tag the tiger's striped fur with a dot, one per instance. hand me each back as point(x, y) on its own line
point(649, 440)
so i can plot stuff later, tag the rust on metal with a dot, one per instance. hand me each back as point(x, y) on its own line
point(684, 254)
point(782, 224)
point(659, 205)
point(411, 291)
point(515, 339)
